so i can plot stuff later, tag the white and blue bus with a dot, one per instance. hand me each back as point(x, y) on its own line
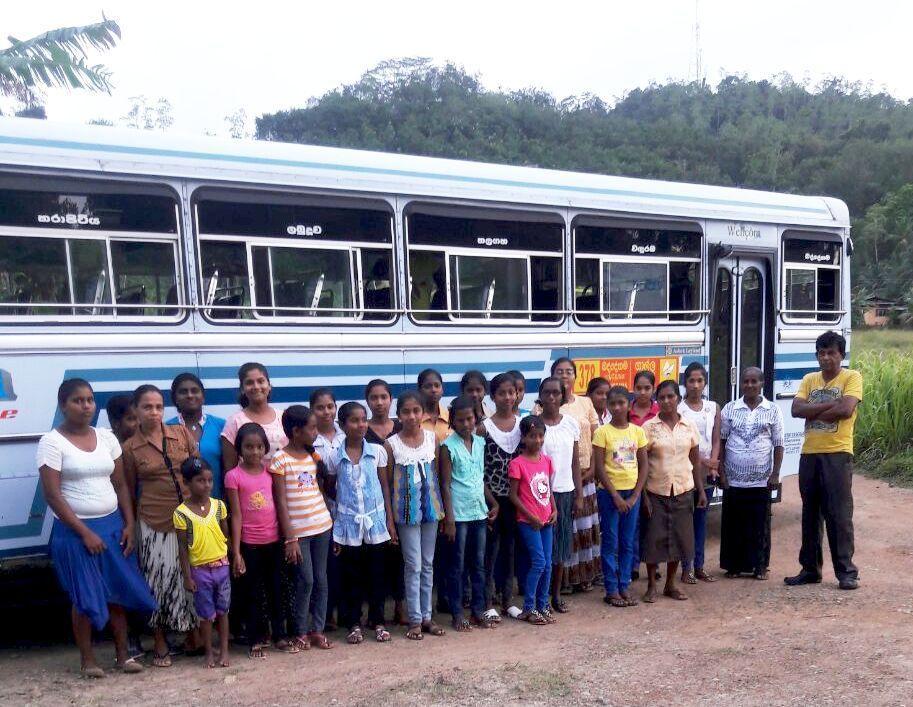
point(128, 257)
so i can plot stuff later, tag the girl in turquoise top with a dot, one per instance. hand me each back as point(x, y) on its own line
point(417, 508)
point(469, 508)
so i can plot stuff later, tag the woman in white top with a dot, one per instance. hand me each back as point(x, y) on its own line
point(705, 414)
point(92, 539)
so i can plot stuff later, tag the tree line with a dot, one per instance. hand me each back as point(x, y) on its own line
point(835, 138)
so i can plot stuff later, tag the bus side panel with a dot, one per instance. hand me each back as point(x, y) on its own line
point(294, 375)
point(791, 363)
point(30, 390)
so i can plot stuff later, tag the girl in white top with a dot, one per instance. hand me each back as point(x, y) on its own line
point(705, 414)
point(562, 440)
point(92, 538)
point(256, 391)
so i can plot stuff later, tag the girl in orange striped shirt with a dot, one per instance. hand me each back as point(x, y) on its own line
point(306, 523)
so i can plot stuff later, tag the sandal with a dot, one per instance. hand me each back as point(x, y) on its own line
point(355, 637)
point(256, 651)
point(415, 633)
point(93, 673)
point(761, 574)
point(492, 615)
point(286, 646)
point(689, 578)
point(432, 628)
point(129, 666)
point(560, 606)
point(676, 594)
point(548, 616)
point(302, 643)
point(703, 576)
point(586, 587)
point(533, 617)
point(318, 640)
point(482, 621)
point(461, 625)
point(629, 601)
point(161, 661)
point(381, 634)
point(617, 601)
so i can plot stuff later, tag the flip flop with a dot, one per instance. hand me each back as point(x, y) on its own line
point(93, 673)
point(432, 628)
point(492, 615)
point(161, 661)
point(129, 666)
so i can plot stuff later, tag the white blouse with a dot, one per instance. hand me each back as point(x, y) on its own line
point(85, 477)
point(559, 445)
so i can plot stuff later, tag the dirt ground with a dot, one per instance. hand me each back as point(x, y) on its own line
point(735, 642)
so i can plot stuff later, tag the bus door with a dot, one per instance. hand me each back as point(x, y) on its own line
point(740, 324)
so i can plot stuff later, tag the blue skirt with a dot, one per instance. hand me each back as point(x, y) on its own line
point(95, 581)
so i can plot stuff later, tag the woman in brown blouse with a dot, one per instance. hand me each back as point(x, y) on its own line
point(673, 473)
point(152, 463)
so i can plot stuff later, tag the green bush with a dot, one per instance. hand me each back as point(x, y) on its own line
point(884, 426)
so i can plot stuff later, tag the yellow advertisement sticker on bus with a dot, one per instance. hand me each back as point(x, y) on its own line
point(621, 371)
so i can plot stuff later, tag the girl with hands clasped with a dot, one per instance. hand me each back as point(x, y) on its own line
point(92, 541)
point(256, 550)
point(620, 462)
point(298, 476)
point(530, 476)
point(469, 508)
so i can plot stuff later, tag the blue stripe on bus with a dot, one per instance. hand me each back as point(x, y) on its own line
point(386, 171)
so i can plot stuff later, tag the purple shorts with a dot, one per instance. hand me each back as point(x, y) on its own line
point(213, 594)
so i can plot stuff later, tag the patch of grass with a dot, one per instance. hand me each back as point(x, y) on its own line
point(881, 340)
point(884, 426)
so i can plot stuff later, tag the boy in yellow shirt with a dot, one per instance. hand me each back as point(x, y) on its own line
point(827, 400)
point(620, 463)
point(201, 523)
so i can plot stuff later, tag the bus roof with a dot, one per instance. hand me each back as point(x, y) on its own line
point(122, 151)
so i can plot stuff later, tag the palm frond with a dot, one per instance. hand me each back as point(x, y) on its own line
point(58, 58)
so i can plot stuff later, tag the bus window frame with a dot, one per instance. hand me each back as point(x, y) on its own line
point(352, 315)
point(695, 316)
point(804, 316)
point(502, 212)
point(109, 314)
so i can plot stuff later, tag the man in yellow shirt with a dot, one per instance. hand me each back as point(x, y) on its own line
point(827, 400)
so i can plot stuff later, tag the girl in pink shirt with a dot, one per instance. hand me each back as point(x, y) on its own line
point(530, 476)
point(257, 551)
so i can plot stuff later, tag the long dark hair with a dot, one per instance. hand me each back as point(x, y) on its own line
point(251, 428)
point(461, 402)
point(295, 417)
point(143, 389)
point(242, 374)
point(564, 359)
point(68, 387)
point(407, 395)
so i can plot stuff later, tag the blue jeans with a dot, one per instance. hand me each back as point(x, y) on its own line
point(619, 537)
point(538, 578)
point(417, 543)
point(466, 556)
point(700, 537)
point(311, 583)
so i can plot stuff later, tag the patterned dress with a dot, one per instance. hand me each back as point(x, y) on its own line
point(585, 561)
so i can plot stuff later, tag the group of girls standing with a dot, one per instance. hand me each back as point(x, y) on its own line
point(326, 510)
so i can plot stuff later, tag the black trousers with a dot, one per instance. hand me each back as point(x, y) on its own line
point(826, 487)
point(361, 575)
point(499, 553)
point(263, 586)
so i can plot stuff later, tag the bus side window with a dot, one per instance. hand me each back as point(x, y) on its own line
point(144, 274)
point(586, 288)
point(428, 285)
point(377, 284)
point(33, 272)
point(225, 280)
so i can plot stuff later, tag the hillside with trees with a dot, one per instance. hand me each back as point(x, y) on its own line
point(836, 138)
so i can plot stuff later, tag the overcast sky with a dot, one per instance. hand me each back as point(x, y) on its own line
point(212, 58)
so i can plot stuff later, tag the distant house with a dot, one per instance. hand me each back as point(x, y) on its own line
point(876, 311)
